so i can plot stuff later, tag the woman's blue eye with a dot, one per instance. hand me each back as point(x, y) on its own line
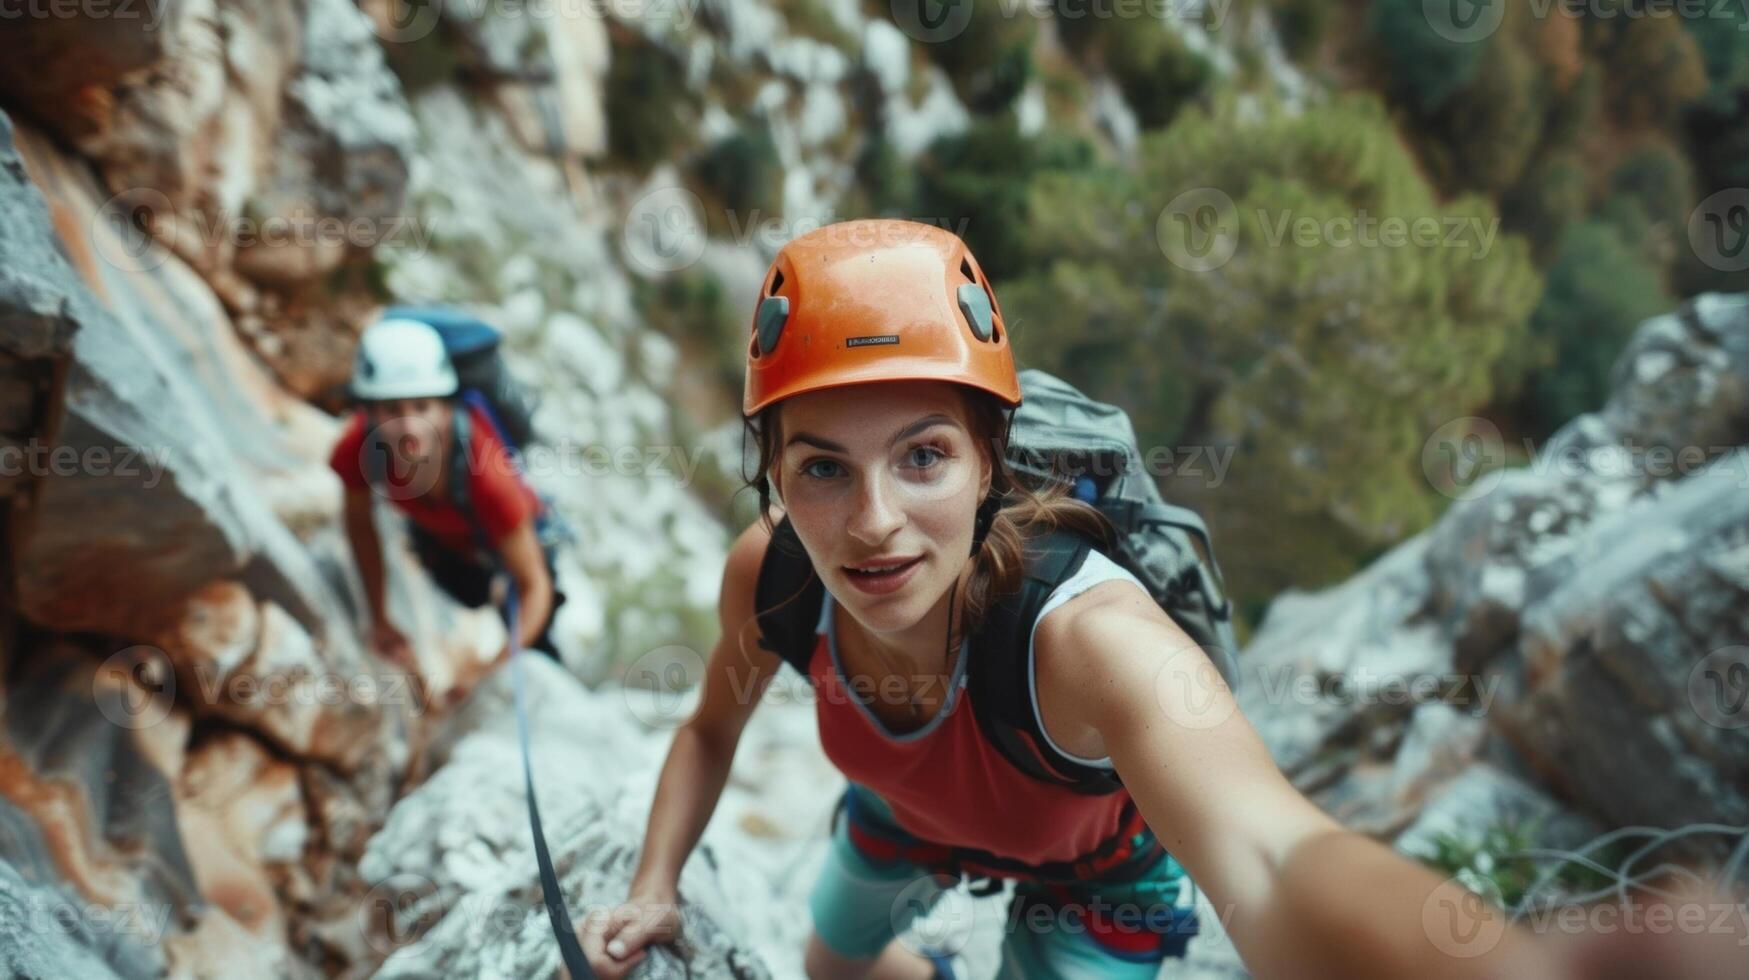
point(808, 468)
point(930, 456)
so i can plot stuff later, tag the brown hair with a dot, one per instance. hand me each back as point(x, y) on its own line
point(1024, 512)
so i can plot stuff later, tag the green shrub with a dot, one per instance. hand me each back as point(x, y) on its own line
point(1599, 289)
point(1427, 69)
point(649, 107)
point(1152, 65)
point(1549, 198)
point(1657, 181)
point(990, 61)
point(1301, 24)
point(1324, 366)
point(1156, 70)
point(742, 171)
point(982, 176)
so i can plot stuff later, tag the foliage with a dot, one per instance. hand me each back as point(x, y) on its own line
point(1426, 68)
point(1504, 862)
point(692, 308)
point(1151, 63)
point(982, 177)
point(1324, 365)
point(742, 171)
point(990, 60)
point(648, 104)
point(1598, 291)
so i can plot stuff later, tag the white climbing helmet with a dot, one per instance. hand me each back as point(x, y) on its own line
point(402, 359)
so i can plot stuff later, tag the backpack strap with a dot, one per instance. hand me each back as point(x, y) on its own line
point(787, 598)
point(999, 677)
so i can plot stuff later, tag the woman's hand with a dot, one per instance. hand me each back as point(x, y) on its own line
point(391, 644)
point(615, 941)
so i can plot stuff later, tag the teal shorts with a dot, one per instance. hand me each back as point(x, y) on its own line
point(1091, 929)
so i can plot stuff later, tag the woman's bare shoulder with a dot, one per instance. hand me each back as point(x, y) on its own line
point(741, 571)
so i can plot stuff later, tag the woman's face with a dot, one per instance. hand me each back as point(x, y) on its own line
point(882, 483)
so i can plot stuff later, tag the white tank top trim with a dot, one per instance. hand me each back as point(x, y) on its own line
point(1095, 569)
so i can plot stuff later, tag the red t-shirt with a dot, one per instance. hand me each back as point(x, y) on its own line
point(501, 498)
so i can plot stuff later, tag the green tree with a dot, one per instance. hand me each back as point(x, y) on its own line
point(982, 177)
point(1599, 289)
point(1427, 69)
point(990, 60)
point(1324, 364)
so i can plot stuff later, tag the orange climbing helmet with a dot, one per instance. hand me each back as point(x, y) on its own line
point(876, 300)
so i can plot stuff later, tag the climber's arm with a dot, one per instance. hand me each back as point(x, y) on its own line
point(1299, 895)
point(527, 565)
point(736, 676)
point(367, 550)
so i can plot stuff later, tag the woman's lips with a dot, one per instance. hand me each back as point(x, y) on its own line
point(882, 583)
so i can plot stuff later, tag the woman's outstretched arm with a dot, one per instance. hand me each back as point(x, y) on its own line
point(1300, 896)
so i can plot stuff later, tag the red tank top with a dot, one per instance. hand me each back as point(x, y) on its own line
point(945, 782)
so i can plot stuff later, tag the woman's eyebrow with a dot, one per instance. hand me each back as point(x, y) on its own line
point(937, 418)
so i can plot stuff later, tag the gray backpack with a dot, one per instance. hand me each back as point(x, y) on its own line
point(1059, 434)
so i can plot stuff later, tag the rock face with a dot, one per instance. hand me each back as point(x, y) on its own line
point(206, 118)
point(204, 773)
point(1573, 625)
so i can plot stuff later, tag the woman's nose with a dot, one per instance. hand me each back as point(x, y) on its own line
point(877, 514)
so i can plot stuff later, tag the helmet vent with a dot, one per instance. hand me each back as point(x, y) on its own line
point(966, 267)
point(776, 283)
